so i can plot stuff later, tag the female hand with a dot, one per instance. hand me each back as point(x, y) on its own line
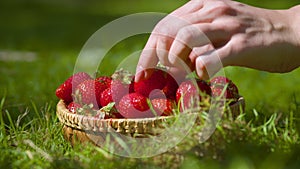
point(210, 34)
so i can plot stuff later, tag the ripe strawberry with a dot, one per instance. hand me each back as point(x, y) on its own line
point(89, 92)
point(121, 84)
point(134, 105)
point(219, 83)
point(220, 80)
point(105, 97)
point(104, 79)
point(119, 89)
point(163, 107)
point(188, 95)
point(155, 80)
point(64, 91)
point(73, 107)
point(170, 87)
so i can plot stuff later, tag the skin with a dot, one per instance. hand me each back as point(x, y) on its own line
point(206, 35)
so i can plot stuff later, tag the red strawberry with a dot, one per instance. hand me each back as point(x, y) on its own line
point(121, 84)
point(156, 79)
point(119, 89)
point(189, 95)
point(106, 97)
point(163, 107)
point(73, 107)
point(220, 80)
point(89, 92)
point(170, 87)
point(219, 83)
point(64, 91)
point(104, 79)
point(134, 105)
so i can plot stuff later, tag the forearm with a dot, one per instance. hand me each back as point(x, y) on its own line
point(286, 24)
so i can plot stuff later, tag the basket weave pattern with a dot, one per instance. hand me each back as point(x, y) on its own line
point(81, 128)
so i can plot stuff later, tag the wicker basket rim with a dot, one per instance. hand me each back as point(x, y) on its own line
point(62, 106)
point(90, 123)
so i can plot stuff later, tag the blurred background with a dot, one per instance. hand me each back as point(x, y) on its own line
point(41, 39)
point(37, 25)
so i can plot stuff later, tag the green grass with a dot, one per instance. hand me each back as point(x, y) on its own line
point(265, 136)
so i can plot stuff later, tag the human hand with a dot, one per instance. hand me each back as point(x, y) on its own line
point(210, 34)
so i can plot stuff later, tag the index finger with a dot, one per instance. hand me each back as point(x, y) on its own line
point(148, 58)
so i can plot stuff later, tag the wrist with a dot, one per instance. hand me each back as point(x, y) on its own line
point(294, 22)
point(293, 17)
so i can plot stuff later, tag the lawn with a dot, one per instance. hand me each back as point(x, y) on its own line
point(40, 42)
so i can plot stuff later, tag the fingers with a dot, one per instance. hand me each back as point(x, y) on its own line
point(186, 39)
point(198, 39)
point(194, 36)
point(186, 33)
point(190, 42)
point(162, 50)
point(162, 37)
point(147, 59)
point(159, 44)
point(209, 63)
point(198, 51)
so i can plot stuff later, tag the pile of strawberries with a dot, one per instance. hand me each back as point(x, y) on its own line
point(119, 96)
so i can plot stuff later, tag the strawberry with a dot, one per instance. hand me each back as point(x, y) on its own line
point(104, 79)
point(106, 97)
point(89, 92)
point(156, 79)
point(134, 105)
point(73, 107)
point(219, 83)
point(64, 91)
point(170, 87)
point(119, 89)
point(188, 95)
point(220, 80)
point(121, 84)
point(163, 107)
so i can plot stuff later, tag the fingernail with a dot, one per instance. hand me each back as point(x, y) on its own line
point(139, 73)
point(200, 73)
point(137, 78)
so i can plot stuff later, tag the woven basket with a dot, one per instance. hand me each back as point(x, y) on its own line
point(88, 129)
